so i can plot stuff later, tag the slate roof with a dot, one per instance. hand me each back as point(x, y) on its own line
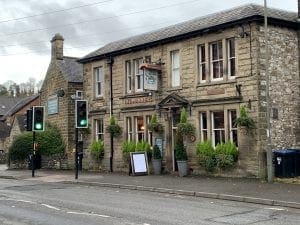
point(192, 27)
point(6, 103)
point(71, 69)
point(19, 105)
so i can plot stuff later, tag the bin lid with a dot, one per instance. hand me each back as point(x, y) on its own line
point(284, 151)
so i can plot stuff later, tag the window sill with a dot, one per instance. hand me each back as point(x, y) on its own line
point(212, 83)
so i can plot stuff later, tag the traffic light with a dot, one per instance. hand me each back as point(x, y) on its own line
point(29, 120)
point(81, 112)
point(38, 122)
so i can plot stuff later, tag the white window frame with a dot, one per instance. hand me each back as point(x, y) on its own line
point(219, 60)
point(231, 56)
point(99, 81)
point(202, 129)
point(128, 72)
point(129, 128)
point(215, 130)
point(137, 131)
point(232, 128)
point(175, 68)
point(202, 63)
point(139, 75)
point(99, 129)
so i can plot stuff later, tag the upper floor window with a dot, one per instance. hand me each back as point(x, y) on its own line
point(231, 58)
point(128, 73)
point(216, 60)
point(99, 81)
point(202, 63)
point(175, 68)
point(139, 79)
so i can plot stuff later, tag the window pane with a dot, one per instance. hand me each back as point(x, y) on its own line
point(218, 120)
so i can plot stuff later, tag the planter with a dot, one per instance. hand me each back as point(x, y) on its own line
point(182, 168)
point(156, 163)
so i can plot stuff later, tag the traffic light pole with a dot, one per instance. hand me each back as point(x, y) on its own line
point(33, 154)
point(76, 153)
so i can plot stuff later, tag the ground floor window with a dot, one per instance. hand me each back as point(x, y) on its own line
point(218, 126)
point(136, 127)
point(99, 131)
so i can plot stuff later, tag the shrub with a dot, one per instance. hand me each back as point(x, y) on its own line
point(21, 147)
point(223, 156)
point(184, 128)
point(244, 120)
point(50, 142)
point(224, 161)
point(206, 154)
point(127, 147)
point(156, 152)
point(97, 149)
point(180, 151)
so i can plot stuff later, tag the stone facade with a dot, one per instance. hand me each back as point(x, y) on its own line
point(206, 101)
point(63, 79)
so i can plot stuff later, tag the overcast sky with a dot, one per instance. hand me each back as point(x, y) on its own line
point(27, 26)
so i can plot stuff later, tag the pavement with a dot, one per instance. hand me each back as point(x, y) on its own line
point(281, 192)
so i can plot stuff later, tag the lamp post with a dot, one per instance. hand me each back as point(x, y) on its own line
point(269, 141)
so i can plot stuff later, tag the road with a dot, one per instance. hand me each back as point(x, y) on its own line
point(41, 203)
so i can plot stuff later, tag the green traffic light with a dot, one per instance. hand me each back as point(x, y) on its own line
point(38, 126)
point(82, 122)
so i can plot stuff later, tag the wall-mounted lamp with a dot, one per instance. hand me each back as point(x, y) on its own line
point(238, 88)
point(241, 32)
point(60, 93)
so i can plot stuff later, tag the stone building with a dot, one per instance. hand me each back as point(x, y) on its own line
point(13, 121)
point(211, 65)
point(62, 84)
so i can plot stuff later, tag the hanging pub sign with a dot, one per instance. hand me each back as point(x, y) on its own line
point(151, 72)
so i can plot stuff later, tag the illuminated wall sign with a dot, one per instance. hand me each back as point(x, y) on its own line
point(150, 79)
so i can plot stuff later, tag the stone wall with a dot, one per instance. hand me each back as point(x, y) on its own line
point(223, 95)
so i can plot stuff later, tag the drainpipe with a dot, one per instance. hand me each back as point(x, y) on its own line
point(110, 62)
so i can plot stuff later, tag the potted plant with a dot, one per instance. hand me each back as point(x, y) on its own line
point(113, 128)
point(244, 121)
point(97, 150)
point(154, 125)
point(185, 128)
point(181, 158)
point(156, 160)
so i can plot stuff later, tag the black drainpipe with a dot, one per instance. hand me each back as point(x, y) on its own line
point(110, 62)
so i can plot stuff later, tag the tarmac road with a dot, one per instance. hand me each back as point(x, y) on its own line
point(31, 202)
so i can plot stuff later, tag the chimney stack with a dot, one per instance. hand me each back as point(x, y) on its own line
point(57, 47)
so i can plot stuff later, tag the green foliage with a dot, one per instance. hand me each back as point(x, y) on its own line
point(227, 148)
point(156, 152)
point(223, 156)
point(206, 154)
point(21, 147)
point(154, 125)
point(113, 127)
point(50, 142)
point(224, 161)
point(184, 128)
point(132, 146)
point(244, 120)
point(142, 146)
point(127, 147)
point(97, 149)
point(180, 151)
point(205, 148)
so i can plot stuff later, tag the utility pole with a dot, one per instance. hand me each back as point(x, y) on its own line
point(269, 141)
